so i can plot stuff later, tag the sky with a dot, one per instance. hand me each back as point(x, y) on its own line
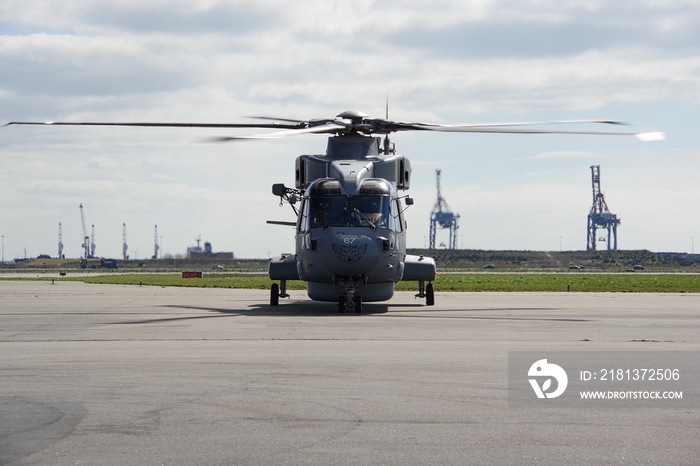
point(441, 61)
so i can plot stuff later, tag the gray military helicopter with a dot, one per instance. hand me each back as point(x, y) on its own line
point(349, 204)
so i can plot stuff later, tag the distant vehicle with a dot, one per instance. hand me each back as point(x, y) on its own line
point(638, 267)
point(217, 267)
point(489, 266)
point(576, 267)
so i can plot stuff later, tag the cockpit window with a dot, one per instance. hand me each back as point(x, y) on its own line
point(349, 211)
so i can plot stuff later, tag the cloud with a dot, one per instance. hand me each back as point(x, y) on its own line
point(176, 17)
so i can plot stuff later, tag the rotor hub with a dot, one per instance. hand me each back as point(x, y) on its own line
point(353, 115)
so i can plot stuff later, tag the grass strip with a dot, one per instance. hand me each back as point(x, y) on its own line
point(476, 282)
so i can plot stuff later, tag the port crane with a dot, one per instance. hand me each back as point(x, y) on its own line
point(443, 217)
point(600, 216)
point(86, 238)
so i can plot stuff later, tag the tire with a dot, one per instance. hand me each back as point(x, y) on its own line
point(274, 294)
point(358, 304)
point(429, 295)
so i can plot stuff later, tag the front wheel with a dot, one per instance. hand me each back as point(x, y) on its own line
point(358, 304)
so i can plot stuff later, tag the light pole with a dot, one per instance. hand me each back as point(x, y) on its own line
point(3, 249)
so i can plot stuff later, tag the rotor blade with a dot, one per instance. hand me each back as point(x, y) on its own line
point(328, 128)
point(291, 129)
point(651, 137)
point(160, 125)
point(654, 136)
point(284, 224)
point(288, 120)
point(467, 126)
point(382, 126)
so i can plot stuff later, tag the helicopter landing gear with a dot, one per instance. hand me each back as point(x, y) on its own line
point(426, 292)
point(277, 292)
point(349, 288)
point(350, 301)
point(274, 294)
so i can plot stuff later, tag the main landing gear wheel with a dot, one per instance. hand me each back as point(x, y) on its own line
point(358, 304)
point(426, 292)
point(341, 304)
point(429, 295)
point(274, 294)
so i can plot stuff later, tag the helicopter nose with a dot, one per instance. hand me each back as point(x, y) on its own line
point(350, 254)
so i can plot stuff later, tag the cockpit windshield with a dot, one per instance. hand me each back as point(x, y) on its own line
point(369, 210)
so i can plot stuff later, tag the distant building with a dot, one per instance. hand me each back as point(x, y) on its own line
point(194, 252)
point(680, 255)
point(108, 263)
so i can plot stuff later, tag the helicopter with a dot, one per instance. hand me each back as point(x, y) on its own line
point(350, 231)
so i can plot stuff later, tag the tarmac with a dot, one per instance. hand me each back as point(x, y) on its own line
point(110, 374)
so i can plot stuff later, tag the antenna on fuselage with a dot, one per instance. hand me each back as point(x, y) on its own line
point(388, 146)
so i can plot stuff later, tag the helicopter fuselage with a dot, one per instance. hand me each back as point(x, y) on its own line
point(350, 242)
point(350, 230)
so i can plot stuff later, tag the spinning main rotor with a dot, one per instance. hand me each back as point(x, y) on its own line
point(352, 122)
